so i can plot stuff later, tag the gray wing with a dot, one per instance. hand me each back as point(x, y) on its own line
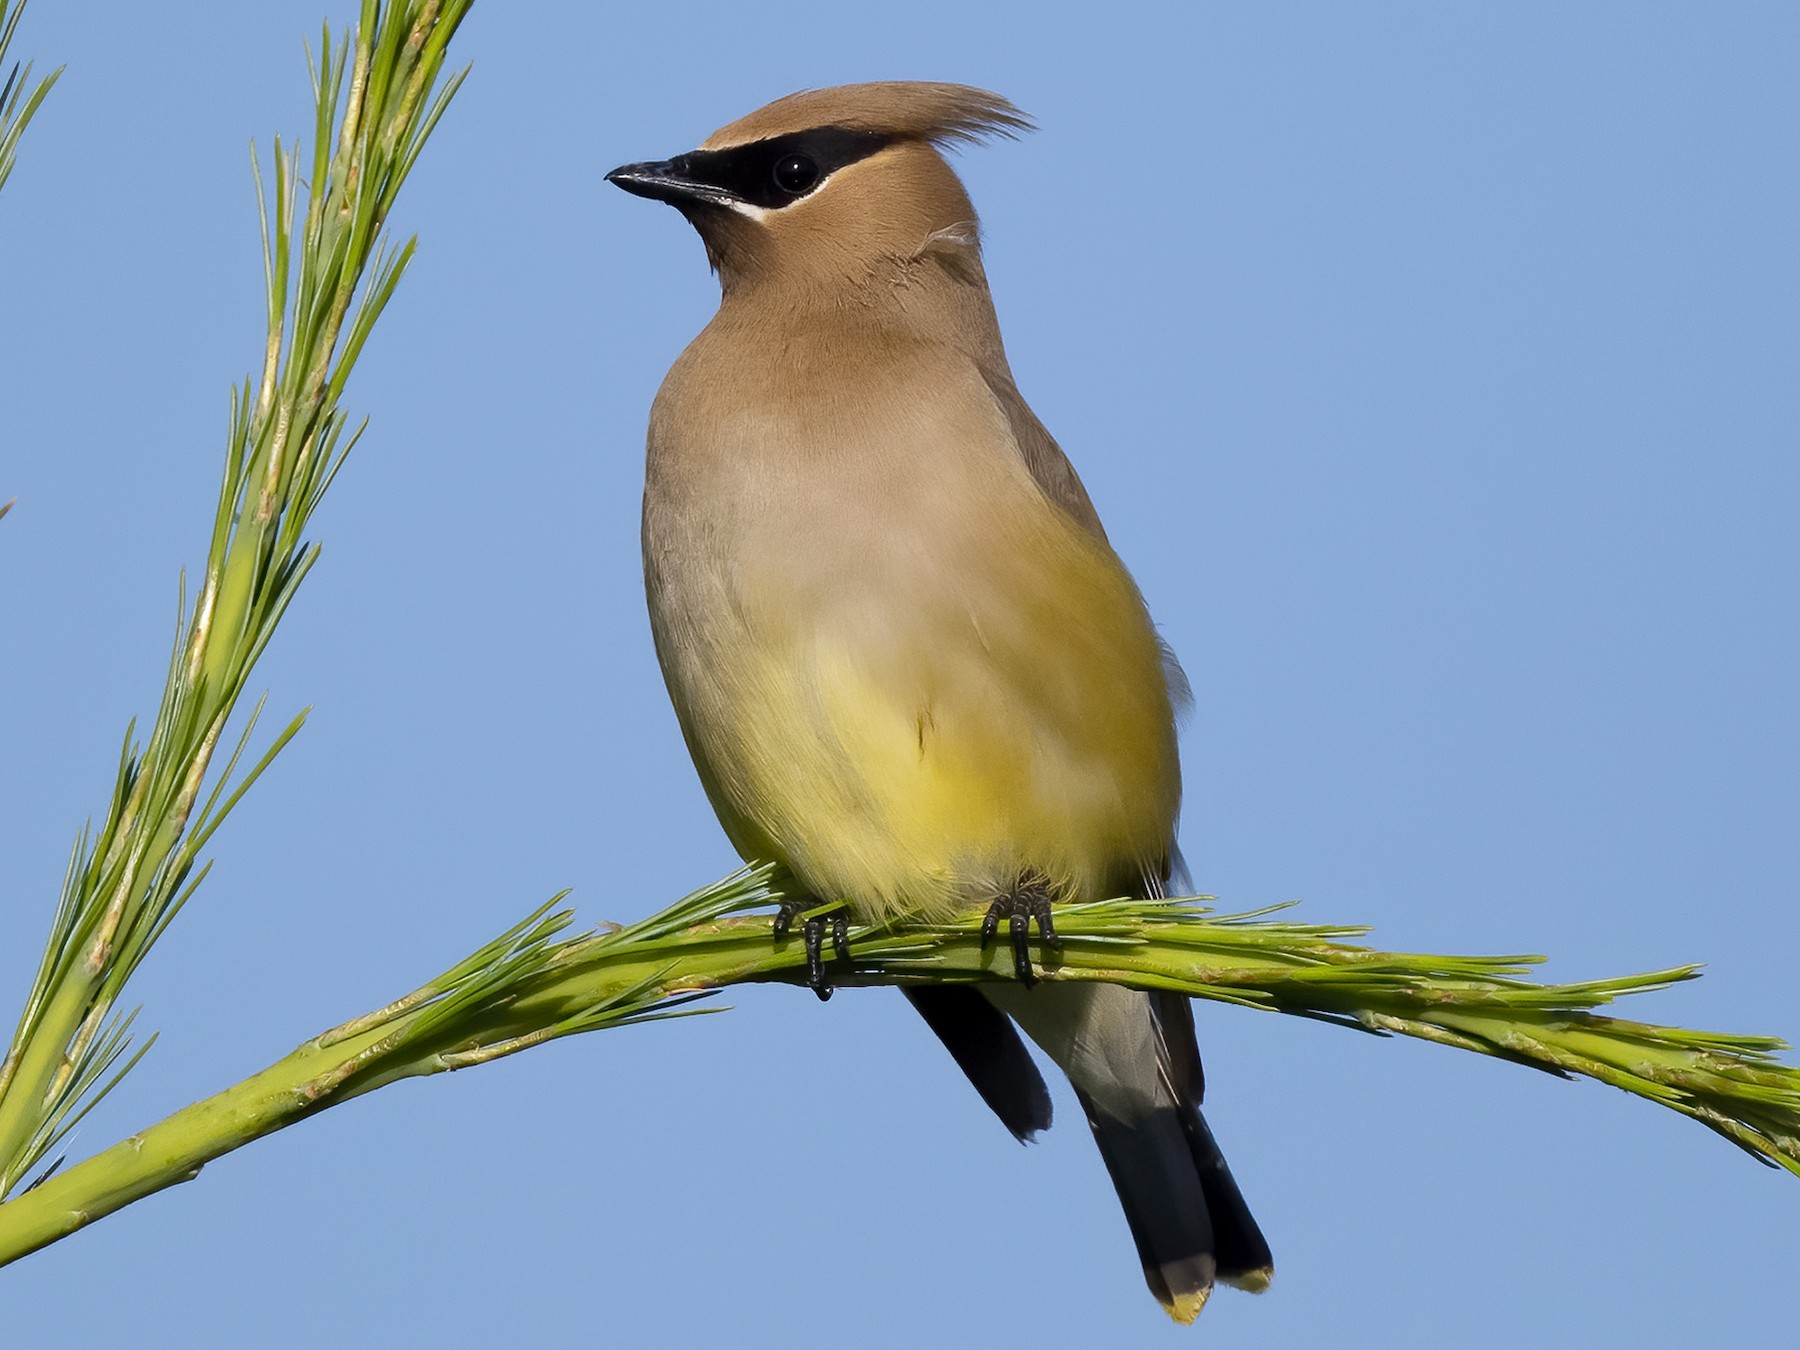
point(1056, 478)
point(1049, 466)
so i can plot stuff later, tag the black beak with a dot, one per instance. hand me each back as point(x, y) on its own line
point(666, 180)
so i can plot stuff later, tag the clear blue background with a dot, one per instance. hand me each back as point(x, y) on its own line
point(1433, 366)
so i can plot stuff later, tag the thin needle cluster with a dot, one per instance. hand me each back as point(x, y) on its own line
point(19, 97)
point(329, 272)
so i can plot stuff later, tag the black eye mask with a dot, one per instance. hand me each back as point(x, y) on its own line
point(777, 172)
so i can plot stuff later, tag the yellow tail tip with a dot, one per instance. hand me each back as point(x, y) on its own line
point(1184, 1308)
point(1252, 1281)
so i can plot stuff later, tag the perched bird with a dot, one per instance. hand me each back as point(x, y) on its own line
point(906, 661)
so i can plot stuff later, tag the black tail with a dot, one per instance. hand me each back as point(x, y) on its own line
point(986, 1046)
point(1185, 1213)
point(1135, 1067)
point(1242, 1251)
point(1164, 1204)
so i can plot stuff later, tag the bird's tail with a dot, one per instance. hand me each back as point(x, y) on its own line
point(1242, 1251)
point(1136, 1071)
point(1185, 1212)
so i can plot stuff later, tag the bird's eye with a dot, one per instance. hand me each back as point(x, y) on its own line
point(795, 174)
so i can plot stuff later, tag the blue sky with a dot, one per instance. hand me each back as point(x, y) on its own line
point(1433, 367)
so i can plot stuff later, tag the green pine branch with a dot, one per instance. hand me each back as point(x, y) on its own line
point(527, 987)
point(328, 276)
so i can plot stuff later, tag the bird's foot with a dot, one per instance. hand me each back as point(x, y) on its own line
point(813, 919)
point(1028, 899)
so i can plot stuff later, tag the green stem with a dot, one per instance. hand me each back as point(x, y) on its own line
point(173, 1151)
point(27, 1086)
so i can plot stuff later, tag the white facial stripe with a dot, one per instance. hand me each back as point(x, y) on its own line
point(755, 213)
point(762, 213)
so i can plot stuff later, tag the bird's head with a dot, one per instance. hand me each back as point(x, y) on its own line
point(831, 187)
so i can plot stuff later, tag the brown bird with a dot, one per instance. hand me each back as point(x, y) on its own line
point(905, 658)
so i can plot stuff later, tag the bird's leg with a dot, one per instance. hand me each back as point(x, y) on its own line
point(1028, 899)
point(812, 929)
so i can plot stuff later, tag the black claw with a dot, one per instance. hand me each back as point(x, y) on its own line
point(815, 962)
point(812, 932)
point(1026, 901)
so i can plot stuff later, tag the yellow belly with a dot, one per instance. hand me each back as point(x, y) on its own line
point(914, 737)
